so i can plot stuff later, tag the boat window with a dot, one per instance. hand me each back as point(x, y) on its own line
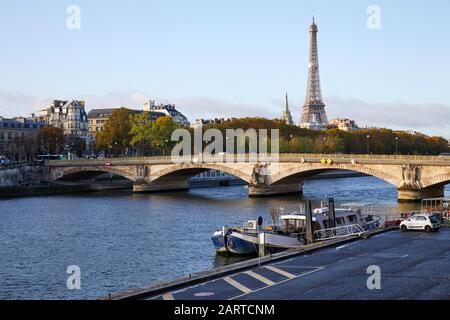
point(340, 220)
point(352, 219)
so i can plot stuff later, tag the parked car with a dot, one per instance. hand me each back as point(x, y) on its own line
point(424, 222)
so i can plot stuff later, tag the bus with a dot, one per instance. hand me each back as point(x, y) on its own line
point(49, 157)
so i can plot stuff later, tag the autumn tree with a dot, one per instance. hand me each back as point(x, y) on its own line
point(115, 135)
point(51, 140)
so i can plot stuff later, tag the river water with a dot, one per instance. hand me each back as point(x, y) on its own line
point(122, 240)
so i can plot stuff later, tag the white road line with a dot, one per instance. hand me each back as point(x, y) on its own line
point(289, 279)
point(237, 285)
point(297, 267)
point(260, 278)
point(282, 272)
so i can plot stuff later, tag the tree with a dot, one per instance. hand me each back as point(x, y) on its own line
point(115, 136)
point(51, 140)
point(25, 146)
point(148, 135)
point(329, 144)
point(76, 145)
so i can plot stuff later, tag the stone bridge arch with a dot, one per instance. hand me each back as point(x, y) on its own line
point(176, 176)
point(304, 171)
point(78, 172)
point(439, 180)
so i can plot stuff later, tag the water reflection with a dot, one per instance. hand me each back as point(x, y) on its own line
point(122, 240)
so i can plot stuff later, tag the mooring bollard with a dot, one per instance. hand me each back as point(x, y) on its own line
point(262, 245)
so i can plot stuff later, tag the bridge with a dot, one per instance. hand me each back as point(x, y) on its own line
point(415, 177)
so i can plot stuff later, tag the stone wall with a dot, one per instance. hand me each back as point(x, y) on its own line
point(22, 176)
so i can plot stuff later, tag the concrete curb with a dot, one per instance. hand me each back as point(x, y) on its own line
point(204, 276)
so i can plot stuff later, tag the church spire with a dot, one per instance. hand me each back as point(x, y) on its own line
point(286, 116)
point(287, 102)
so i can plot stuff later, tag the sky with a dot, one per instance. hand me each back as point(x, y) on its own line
point(231, 58)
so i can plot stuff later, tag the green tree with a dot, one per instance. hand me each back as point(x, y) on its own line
point(152, 135)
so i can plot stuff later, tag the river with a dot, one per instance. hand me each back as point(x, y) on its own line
point(122, 240)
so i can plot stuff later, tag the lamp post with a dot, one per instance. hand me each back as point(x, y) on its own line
point(68, 152)
point(396, 145)
point(368, 144)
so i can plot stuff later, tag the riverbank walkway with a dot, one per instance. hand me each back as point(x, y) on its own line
point(413, 265)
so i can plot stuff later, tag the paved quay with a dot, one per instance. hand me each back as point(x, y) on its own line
point(414, 265)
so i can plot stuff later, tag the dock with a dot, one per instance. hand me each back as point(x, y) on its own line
point(414, 265)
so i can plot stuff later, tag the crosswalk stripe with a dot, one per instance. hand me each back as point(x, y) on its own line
point(168, 297)
point(260, 278)
point(237, 285)
point(282, 272)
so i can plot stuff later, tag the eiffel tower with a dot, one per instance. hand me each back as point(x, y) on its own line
point(314, 115)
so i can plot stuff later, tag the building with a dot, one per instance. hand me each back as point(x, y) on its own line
point(70, 116)
point(201, 122)
point(97, 119)
point(314, 115)
point(343, 124)
point(14, 129)
point(169, 110)
point(286, 116)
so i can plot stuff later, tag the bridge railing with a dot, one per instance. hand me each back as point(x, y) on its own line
point(291, 157)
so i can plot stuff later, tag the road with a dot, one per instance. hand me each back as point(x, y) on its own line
point(413, 265)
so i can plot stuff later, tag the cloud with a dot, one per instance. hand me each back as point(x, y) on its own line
point(20, 104)
point(432, 119)
point(206, 108)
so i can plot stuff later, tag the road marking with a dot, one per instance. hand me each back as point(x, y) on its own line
point(279, 271)
point(260, 278)
point(168, 297)
point(278, 283)
point(237, 285)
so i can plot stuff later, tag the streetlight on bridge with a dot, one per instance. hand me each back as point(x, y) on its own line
point(368, 144)
point(396, 145)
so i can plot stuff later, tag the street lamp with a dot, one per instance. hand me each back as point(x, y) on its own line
point(68, 152)
point(368, 144)
point(396, 145)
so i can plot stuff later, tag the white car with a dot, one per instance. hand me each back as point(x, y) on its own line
point(424, 222)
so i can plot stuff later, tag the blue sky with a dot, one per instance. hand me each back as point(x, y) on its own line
point(231, 58)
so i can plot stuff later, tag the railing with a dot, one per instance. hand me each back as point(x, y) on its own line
point(339, 232)
point(298, 157)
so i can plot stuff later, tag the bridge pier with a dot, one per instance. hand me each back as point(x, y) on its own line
point(161, 187)
point(418, 195)
point(273, 190)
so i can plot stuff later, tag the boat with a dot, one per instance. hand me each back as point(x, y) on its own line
point(237, 241)
point(290, 232)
